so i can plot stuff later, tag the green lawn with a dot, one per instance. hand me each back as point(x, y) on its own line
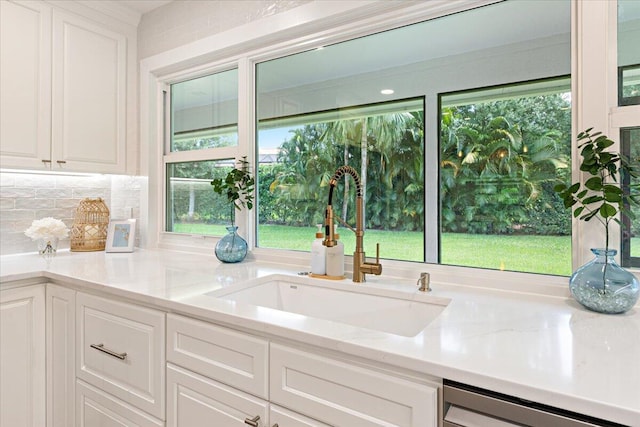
point(536, 254)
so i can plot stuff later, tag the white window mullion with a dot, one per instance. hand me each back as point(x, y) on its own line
point(431, 179)
point(247, 143)
point(591, 103)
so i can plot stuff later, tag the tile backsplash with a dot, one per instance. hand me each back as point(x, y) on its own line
point(28, 196)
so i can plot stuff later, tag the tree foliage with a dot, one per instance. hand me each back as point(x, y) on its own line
point(499, 162)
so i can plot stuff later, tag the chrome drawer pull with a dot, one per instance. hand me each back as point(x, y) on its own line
point(102, 348)
point(253, 422)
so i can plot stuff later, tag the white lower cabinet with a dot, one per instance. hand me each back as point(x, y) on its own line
point(120, 363)
point(22, 357)
point(97, 408)
point(194, 400)
point(120, 349)
point(205, 362)
point(113, 372)
point(344, 394)
point(61, 347)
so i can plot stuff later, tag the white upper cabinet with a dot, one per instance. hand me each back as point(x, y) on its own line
point(25, 84)
point(66, 85)
point(89, 88)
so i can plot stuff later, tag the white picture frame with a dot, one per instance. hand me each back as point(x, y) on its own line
point(121, 235)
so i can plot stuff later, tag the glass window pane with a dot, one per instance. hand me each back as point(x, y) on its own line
point(502, 151)
point(630, 143)
point(204, 112)
point(192, 205)
point(315, 106)
point(629, 52)
point(297, 159)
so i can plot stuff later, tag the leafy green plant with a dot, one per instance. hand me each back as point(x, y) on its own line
point(238, 186)
point(600, 196)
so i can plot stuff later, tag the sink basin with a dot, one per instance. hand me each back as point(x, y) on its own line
point(393, 311)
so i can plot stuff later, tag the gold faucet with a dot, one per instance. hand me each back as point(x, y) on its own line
point(360, 264)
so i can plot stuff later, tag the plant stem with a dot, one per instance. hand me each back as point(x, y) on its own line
point(606, 256)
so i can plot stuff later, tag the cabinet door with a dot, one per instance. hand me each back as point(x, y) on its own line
point(25, 84)
point(194, 400)
point(120, 349)
point(281, 417)
point(89, 96)
point(342, 394)
point(22, 357)
point(97, 408)
point(61, 345)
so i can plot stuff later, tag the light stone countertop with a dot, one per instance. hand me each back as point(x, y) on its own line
point(544, 349)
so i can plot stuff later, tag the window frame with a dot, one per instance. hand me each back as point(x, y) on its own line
point(233, 153)
point(625, 238)
point(593, 33)
point(466, 96)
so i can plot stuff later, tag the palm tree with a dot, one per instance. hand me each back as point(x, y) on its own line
point(490, 173)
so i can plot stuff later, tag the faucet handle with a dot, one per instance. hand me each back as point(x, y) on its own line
point(377, 253)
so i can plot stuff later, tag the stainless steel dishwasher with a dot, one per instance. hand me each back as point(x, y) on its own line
point(468, 406)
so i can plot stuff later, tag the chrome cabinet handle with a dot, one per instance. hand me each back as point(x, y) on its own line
point(253, 422)
point(102, 348)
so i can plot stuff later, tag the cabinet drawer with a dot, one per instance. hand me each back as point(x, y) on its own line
point(97, 408)
point(121, 351)
point(194, 400)
point(344, 395)
point(230, 357)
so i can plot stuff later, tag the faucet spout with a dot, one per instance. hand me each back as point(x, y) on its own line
point(360, 265)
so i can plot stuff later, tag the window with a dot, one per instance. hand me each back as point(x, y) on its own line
point(628, 52)
point(204, 112)
point(318, 109)
point(502, 150)
point(630, 146)
point(299, 155)
point(203, 128)
point(192, 206)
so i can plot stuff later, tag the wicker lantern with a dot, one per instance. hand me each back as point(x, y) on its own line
point(89, 229)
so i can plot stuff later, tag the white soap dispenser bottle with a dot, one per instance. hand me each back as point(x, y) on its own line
point(335, 258)
point(318, 254)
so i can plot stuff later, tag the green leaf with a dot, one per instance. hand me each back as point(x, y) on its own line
point(606, 157)
point(592, 199)
point(578, 211)
point(603, 142)
point(606, 210)
point(588, 216)
point(574, 188)
point(612, 189)
point(594, 183)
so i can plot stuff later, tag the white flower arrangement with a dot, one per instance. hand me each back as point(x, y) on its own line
point(47, 228)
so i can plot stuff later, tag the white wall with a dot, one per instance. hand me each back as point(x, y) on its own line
point(184, 21)
point(27, 196)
